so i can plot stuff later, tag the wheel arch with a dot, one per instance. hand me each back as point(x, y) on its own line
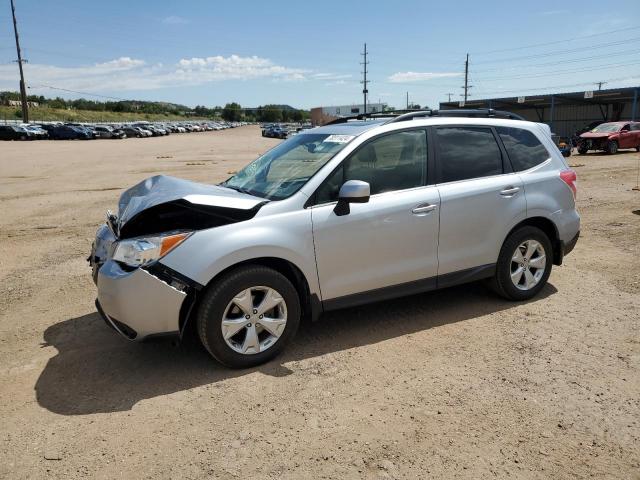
point(551, 231)
point(309, 302)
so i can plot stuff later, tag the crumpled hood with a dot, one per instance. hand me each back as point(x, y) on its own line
point(596, 134)
point(163, 203)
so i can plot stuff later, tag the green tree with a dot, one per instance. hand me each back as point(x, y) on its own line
point(269, 113)
point(297, 116)
point(57, 103)
point(232, 112)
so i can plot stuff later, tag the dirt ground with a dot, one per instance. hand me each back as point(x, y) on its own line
point(449, 384)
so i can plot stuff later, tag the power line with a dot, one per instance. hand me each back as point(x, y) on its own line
point(79, 92)
point(538, 89)
point(634, 51)
point(486, 52)
point(61, 54)
point(561, 72)
point(557, 52)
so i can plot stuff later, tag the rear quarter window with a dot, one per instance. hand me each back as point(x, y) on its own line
point(523, 147)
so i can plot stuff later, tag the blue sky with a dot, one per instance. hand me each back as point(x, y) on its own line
point(307, 54)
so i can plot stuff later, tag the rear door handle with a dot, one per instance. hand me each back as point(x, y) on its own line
point(423, 208)
point(509, 191)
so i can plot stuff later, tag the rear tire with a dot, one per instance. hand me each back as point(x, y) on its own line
point(612, 147)
point(582, 150)
point(220, 309)
point(521, 277)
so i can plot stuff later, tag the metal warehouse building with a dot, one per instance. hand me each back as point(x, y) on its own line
point(322, 115)
point(566, 112)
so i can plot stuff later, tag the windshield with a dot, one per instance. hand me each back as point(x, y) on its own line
point(283, 170)
point(606, 128)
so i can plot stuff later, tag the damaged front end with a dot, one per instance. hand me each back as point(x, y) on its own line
point(594, 141)
point(137, 295)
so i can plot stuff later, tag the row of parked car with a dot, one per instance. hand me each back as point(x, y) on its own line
point(77, 131)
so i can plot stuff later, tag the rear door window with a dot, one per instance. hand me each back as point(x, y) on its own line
point(467, 152)
point(523, 147)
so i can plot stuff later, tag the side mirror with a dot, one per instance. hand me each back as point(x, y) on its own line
point(352, 191)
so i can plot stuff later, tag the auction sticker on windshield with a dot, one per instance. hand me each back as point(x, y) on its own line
point(338, 139)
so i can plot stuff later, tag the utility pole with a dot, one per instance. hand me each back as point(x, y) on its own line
point(449, 94)
point(23, 90)
point(466, 79)
point(365, 82)
point(600, 84)
point(407, 100)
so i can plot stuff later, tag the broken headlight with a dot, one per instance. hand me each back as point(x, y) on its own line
point(136, 252)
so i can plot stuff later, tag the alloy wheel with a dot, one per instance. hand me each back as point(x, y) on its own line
point(528, 264)
point(254, 320)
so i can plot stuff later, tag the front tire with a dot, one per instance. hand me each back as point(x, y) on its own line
point(248, 316)
point(582, 149)
point(612, 147)
point(524, 264)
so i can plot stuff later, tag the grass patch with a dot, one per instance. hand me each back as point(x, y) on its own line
point(42, 114)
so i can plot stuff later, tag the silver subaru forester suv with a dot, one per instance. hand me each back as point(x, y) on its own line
point(337, 216)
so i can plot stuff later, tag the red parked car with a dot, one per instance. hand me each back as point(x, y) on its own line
point(610, 137)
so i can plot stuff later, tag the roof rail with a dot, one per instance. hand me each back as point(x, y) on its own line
point(365, 116)
point(405, 115)
point(475, 113)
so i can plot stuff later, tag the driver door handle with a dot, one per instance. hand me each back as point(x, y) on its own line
point(423, 208)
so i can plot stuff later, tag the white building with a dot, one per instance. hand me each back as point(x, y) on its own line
point(322, 115)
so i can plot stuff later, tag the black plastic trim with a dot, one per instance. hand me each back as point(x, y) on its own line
point(404, 115)
point(170, 276)
point(316, 307)
point(431, 157)
point(567, 247)
point(381, 294)
point(411, 288)
point(466, 276)
point(122, 328)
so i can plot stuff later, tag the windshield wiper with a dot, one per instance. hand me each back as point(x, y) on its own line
point(239, 189)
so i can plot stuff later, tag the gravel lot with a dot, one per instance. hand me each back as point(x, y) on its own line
point(450, 384)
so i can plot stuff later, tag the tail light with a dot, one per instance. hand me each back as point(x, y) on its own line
point(569, 177)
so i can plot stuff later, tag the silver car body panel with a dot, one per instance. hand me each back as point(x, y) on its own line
point(138, 299)
point(475, 218)
point(379, 244)
point(279, 230)
point(371, 247)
